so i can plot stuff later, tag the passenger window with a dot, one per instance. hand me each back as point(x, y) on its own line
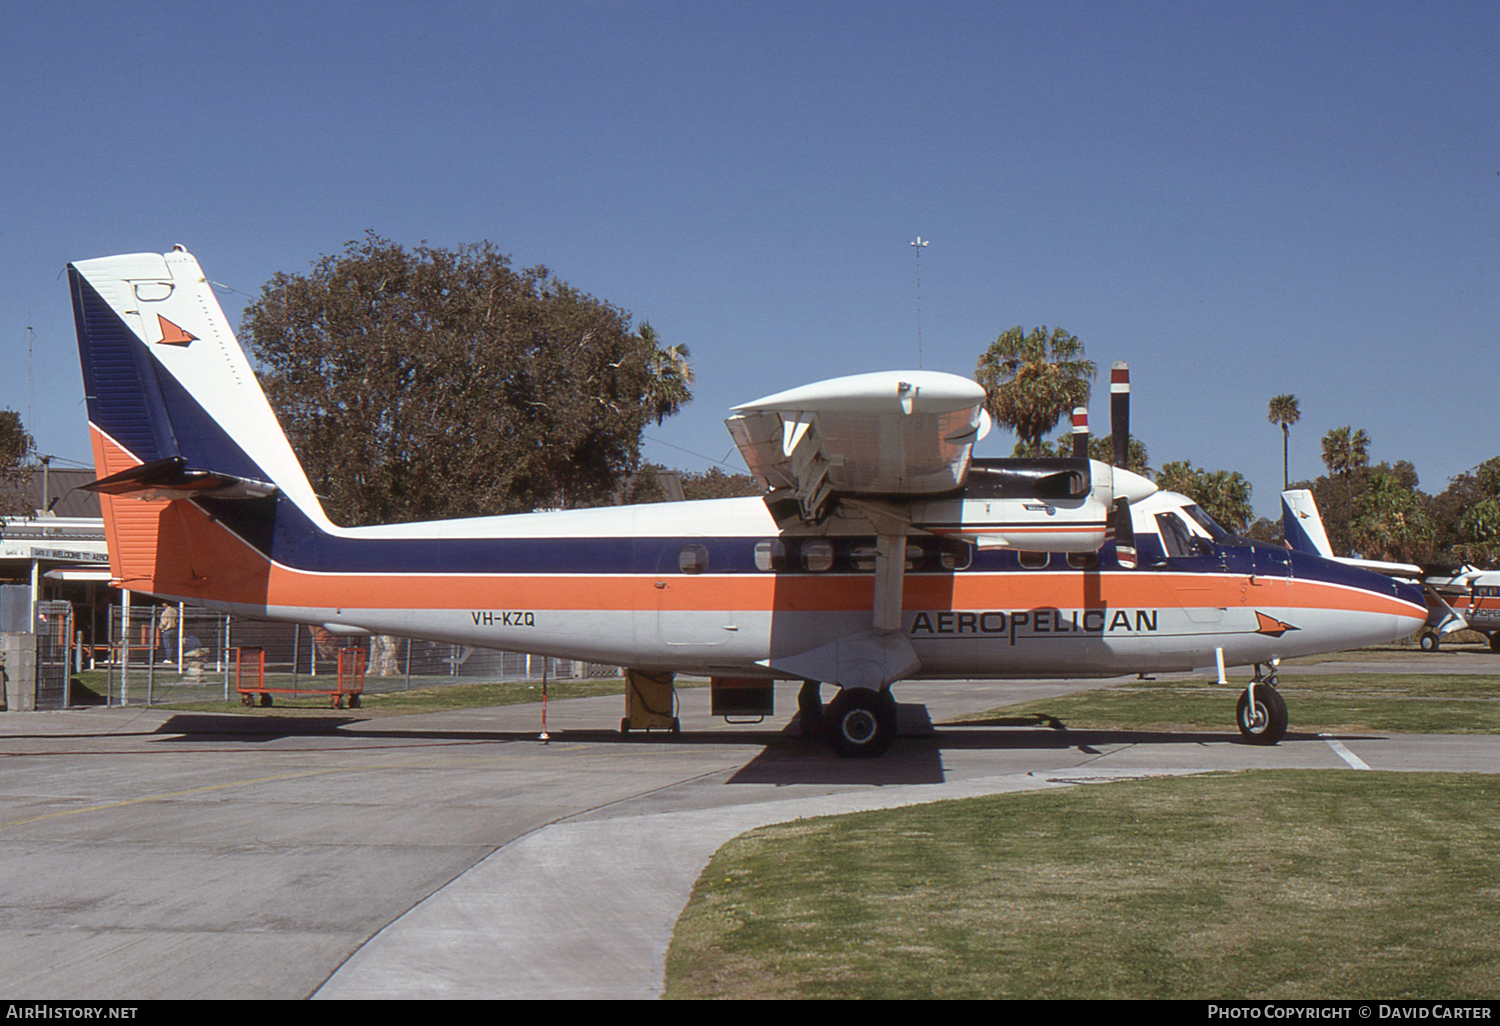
point(817, 555)
point(770, 554)
point(862, 555)
point(955, 555)
point(692, 559)
point(1083, 560)
point(1033, 560)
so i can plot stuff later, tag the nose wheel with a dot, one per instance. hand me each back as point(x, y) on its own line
point(1263, 719)
point(860, 723)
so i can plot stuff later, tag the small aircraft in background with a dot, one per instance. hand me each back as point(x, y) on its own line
point(881, 552)
point(1461, 597)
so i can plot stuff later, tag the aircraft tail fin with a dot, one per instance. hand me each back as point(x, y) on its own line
point(176, 413)
point(1301, 524)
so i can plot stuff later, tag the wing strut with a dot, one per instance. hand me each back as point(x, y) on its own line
point(890, 574)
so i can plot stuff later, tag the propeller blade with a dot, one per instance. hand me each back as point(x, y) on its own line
point(1080, 432)
point(1119, 410)
point(1124, 532)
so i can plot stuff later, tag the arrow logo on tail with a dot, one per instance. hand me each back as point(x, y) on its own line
point(1270, 626)
point(172, 335)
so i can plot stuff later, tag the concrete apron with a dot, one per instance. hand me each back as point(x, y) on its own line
point(586, 909)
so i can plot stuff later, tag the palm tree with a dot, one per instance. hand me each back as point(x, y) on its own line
point(670, 375)
point(1345, 451)
point(1031, 380)
point(1283, 410)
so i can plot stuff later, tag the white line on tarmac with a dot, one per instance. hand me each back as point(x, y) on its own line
point(1354, 761)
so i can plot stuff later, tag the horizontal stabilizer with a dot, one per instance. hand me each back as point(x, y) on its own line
point(171, 478)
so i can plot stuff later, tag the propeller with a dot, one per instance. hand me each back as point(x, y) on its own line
point(1119, 410)
point(1080, 432)
point(1121, 525)
point(1124, 532)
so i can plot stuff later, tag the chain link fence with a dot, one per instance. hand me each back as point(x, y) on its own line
point(180, 653)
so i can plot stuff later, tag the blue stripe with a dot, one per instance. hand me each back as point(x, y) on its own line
point(119, 377)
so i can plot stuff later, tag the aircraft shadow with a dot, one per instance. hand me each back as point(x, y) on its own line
point(785, 757)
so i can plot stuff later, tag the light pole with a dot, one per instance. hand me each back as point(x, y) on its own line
point(918, 243)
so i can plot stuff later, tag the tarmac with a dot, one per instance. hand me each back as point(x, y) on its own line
point(152, 854)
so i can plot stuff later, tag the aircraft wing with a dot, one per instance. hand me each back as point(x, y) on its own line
point(890, 433)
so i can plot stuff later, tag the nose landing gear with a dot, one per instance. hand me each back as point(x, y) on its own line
point(1261, 711)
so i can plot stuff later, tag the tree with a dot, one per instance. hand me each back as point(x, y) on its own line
point(1137, 459)
point(667, 388)
point(1283, 410)
point(1031, 380)
point(1223, 494)
point(1266, 530)
point(713, 483)
point(16, 451)
point(429, 383)
point(1346, 455)
point(1392, 521)
point(1467, 515)
point(1346, 450)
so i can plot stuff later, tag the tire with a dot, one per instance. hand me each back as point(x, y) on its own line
point(1495, 642)
point(1428, 641)
point(860, 723)
point(1268, 726)
point(266, 701)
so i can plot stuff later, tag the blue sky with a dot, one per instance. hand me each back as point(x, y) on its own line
point(1240, 199)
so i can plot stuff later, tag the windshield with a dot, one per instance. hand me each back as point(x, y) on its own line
point(1207, 523)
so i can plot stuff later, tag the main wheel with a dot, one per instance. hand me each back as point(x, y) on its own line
point(1267, 724)
point(860, 723)
point(810, 708)
point(1428, 641)
point(1495, 642)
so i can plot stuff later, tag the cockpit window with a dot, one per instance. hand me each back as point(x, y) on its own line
point(1206, 522)
point(1176, 539)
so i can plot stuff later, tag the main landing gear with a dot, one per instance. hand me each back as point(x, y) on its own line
point(1261, 711)
point(860, 722)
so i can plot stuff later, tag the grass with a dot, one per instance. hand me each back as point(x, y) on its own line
point(1336, 703)
point(1293, 884)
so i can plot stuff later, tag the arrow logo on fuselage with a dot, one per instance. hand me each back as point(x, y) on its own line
point(1270, 626)
point(173, 335)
